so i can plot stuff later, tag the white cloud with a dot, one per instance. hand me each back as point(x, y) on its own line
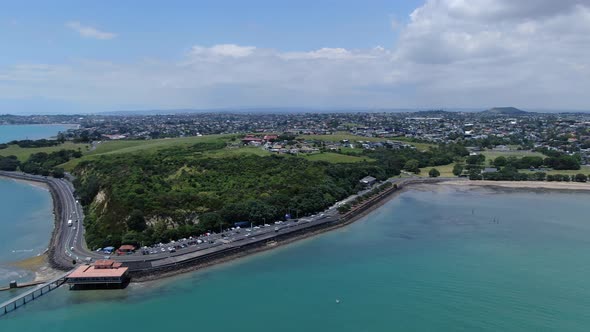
point(90, 32)
point(451, 53)
point(222, 50)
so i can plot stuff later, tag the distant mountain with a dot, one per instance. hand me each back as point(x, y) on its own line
point(505, 111)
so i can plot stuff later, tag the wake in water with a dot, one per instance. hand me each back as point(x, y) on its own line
point(17, 251)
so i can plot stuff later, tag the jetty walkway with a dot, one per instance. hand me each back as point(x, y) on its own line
point(33, 294)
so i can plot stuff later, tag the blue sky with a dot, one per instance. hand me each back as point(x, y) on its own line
point(152, 29)
point(69, 56)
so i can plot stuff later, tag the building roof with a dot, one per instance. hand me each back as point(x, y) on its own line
point(368, 179)
point(91, 271)
point(106, 264)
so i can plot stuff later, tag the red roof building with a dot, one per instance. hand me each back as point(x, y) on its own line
point(102, 272)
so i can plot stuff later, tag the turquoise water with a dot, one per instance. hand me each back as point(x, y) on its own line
point(25, 226)
point(426, 261)
point(18, 132)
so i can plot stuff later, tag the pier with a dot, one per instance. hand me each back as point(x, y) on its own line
point(33, 294)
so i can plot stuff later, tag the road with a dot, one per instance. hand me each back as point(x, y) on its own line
point(68, 243)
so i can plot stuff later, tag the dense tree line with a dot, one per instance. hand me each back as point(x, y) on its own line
point(9, 163)
point(43, 163)
point(40, 143)
point(558, 162)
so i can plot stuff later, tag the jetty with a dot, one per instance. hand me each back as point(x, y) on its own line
point(33, 294)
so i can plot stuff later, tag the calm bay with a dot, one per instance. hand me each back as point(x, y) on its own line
point(434, 258)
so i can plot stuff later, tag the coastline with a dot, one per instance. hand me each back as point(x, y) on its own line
point(157, 275)
point(40, 265)
point(46, 267)
point(37, 184)
point(525, 185)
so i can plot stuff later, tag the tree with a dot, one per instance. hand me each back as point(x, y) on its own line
point(58, 173)
point(476, 159)
point(457, 169)
point(434, 173)
point(413, 166)
point(580, 178)
point(136, 221)
point(500, 161)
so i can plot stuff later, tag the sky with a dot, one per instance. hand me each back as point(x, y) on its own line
point(73, 56)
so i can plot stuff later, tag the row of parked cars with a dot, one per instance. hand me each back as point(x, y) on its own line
point(172, 246)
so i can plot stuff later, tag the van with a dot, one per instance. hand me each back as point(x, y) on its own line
point(70, 223)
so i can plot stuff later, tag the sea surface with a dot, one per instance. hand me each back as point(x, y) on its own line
point(452, 259)
point(19, 132)
point(26, 223)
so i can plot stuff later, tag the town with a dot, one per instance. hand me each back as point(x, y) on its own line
point(500, 129)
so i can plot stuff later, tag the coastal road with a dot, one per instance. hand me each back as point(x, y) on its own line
point(68, 242)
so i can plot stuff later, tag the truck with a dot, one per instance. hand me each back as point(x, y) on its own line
point(70, 223)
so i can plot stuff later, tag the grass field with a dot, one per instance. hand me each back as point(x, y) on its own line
point(445, 170)
point(23, 153)
point(131, 146)
point(489, 154)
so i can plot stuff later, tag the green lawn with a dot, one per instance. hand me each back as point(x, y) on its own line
point(130, 146)
point(23, 153)
point(445, 170)
point(489, 154)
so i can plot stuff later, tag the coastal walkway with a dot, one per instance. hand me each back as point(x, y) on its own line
point(33, 294)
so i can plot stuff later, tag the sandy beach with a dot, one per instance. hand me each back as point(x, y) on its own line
point(40, 266)
point(523, 185)
point(32, 183)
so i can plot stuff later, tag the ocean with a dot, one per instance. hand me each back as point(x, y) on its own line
point(17, 132)
point(433, 259)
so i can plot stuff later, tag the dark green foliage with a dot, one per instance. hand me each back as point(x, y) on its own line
point(412, 165)
point(580, 178)
point(563, 162)
point(434, 173)
point(558, 178)
point(9, 163)
point(477, 159)
point(44, 163)
point(457, 169)
point(40, 143)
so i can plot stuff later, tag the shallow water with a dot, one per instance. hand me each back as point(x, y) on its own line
point(26, 224)
point(444, 260)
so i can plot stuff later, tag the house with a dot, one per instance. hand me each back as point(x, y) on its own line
point(489, 170)
point(126, 249)
point(368, 180)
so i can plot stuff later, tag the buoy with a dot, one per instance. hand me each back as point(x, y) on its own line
point(337, 301)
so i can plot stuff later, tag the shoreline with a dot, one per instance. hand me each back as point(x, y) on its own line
point(39, 265)
point(501, 185)
point(159, 275)
point(47, 268)
point(37, 184)
point(525, 185)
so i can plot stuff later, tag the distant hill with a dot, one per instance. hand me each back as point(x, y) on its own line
point(505, 111)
